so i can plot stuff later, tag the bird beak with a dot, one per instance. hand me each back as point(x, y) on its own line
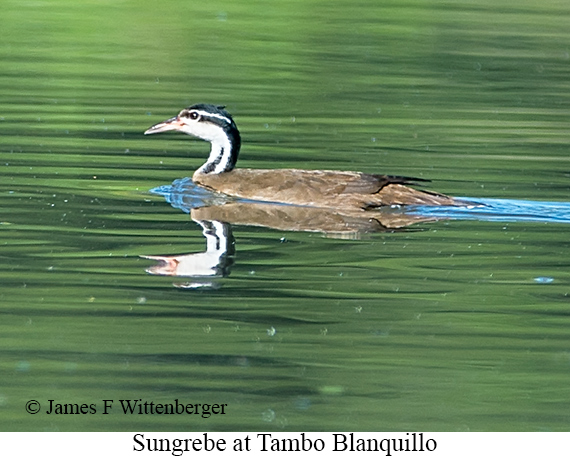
point(174, 123)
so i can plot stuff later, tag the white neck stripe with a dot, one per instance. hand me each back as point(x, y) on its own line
point(217, 116)
point(225, 160)
point(220, 157)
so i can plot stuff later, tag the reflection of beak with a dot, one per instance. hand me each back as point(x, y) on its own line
point(167, 265)
point(174, 123)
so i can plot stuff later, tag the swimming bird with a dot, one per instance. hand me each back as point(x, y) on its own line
point(315, 188)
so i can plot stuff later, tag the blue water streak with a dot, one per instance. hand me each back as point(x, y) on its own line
point(499, 210)
point(184, 194)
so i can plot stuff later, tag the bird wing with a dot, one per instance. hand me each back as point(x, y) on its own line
point(319, 188)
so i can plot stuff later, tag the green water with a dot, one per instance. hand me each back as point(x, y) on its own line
point(454, 325)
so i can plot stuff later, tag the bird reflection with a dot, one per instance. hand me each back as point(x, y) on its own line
point(350, 224)
point(217, 213)
point(215, 262)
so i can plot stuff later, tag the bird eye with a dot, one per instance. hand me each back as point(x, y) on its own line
point(193, 115)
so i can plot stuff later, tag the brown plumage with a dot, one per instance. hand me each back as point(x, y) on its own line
point(324, 189)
